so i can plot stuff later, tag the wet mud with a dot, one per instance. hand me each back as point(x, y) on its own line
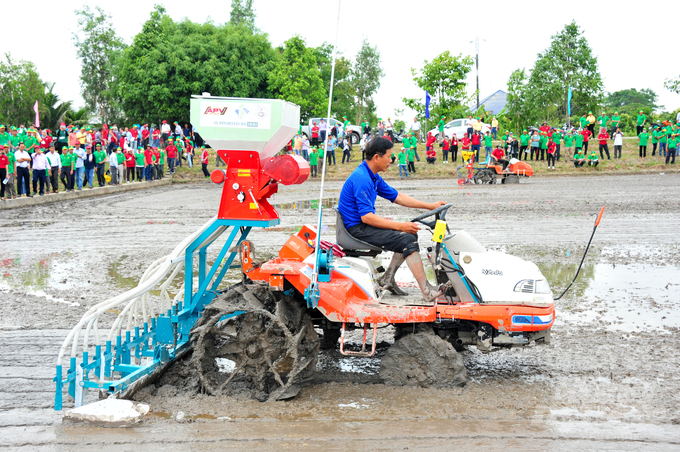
point(607, 381)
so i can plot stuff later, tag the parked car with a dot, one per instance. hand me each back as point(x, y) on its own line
point(355, 131)
point(458, 127)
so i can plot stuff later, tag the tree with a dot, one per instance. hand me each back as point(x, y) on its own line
point(568, 62)
point(626, 97)
point(343, 88)
point(366, 75)
point(167, 62)
point(520, 110)
point(673, 84)
point(55, 110)
point(297, 79)
point(242, 13)
point(77, 117)
point(20, 87)
point(444, 79)
point(98, 48)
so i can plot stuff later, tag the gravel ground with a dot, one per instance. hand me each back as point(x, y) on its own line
point(607, 381)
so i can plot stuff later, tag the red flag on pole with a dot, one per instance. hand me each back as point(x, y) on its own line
point(37, 114)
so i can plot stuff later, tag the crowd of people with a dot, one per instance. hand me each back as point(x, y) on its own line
point(74, 157)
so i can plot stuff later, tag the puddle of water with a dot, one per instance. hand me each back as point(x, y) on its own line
point(312, 204)
point(628, 297)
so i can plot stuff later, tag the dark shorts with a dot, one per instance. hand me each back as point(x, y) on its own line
point(387, 239)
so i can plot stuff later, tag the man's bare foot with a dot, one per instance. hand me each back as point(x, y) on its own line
point(392, 287)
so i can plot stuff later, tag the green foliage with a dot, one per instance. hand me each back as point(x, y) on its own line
point(296, 78)
point(520, 112)
point(673, 84)
point(444, 78)
point(98, 48)
point(366, 75)
point(20, 87)
point(169, 61)
point(623, 98)
point(343, 89)
point(77, 117)
point(567, 62)
point(55, 110)
point(242, 13)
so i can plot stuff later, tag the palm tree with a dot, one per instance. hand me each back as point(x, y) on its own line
point(55, 111)
point(77, 117)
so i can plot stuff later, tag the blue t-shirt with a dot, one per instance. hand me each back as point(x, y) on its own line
point(359, 192)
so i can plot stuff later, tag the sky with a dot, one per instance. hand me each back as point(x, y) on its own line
point(635, 49)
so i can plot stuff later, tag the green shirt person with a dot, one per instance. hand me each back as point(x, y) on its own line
point(655, 136)
point(644, 138)
point(583, 121)
point(524, 138)
point(4, 136)
point(345, 123)
point(641, 119)
point(673, 142)
point(488, 140)
point(411, 154)
point(616, 119)
point(441, 126)
point(569, 140)
point(543, 144)
point(314, 157)
point(579, 141)
point(663, 137)
point(603, 120)
point(402, 156)
point(99, 156)
point(556, 137)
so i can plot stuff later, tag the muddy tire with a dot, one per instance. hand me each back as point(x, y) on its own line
point(511, 179)
point(424, 360)
point(330, 337)
point(272, 346)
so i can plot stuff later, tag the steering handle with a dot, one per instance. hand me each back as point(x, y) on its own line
point(439, 213)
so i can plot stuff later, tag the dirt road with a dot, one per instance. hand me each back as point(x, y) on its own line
point(608, 381)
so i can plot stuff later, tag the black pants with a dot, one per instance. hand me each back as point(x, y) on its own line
point(543, 152)
point(578, 164)
point(54, 178)
point(654, 148)
point(605, 148)
point(593, 163)
point(557, 152)
point(23, 178)
point(454, 153)
point(585, 147)
point(387, 239)
point(3, 175)
point(140, 173)
point(100, 174)
point(617, 151)
point(330, 155)
point(591, 127)
point(411, 167)
point(64, 176)
point(345, 153)
point(668, 156)
point(643, 151)
point(469, 132)
point(639, 130)
point(204, 167)
point(313, 169)
point(551, 160)
point(445, 155)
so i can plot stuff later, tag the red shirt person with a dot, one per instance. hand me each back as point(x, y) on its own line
point(603, 137)
point(171, 150)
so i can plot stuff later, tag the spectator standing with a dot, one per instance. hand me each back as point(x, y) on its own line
point(11, 173)
point(523, 143)
point(61, 138)
point(113, 165)
point(204, 161)
point(40, 165)
point(476, 141)
point(121, 166)
point(297, 144)
point(618, 143)
point(155, 136)
point(165, 133)
point(305, 147)
point(402, 163)
point(4, 164)
point(641, 119)
point(315, 134)
point(672, 148)
point(313, 161)
point(410, 157)
point(415, 129)
point(663, 139)
point(345, 150)
point(603, 120)
point(543, 145)
point(139, 164)
point(535, 145)
point(557, 139)
point(583, 121)
point(66, 175)
point(591, 124)
point(23, 160)
point(603, 137)
point(330, 150)
point(389, 127)
point(445, 150)
point(469, 126)
point(644, 139)
point(54, 160)
point(79, 153)
point(568, 143)
point(616, 119)
point(381, 127)
point(130, 166)
point(488, 144)
point(148, 163)
point(145, 135)
point(494, 128)
point(89, 164)
point(100, 164)
point(171, 150)
point(586, 133)
point(440, 127)
point(655, 139)
point(323, 128)
point(454, 148)
point(550, 154)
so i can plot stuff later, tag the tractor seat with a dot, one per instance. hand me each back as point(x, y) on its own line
point(350, 245)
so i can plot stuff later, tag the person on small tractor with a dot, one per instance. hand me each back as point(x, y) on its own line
point(357, 208)
point(497, 158)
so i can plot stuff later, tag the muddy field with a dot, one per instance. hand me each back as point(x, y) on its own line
point(608, 381)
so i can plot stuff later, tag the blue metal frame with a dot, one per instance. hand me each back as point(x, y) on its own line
point(462, 275)
point(168, 334)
